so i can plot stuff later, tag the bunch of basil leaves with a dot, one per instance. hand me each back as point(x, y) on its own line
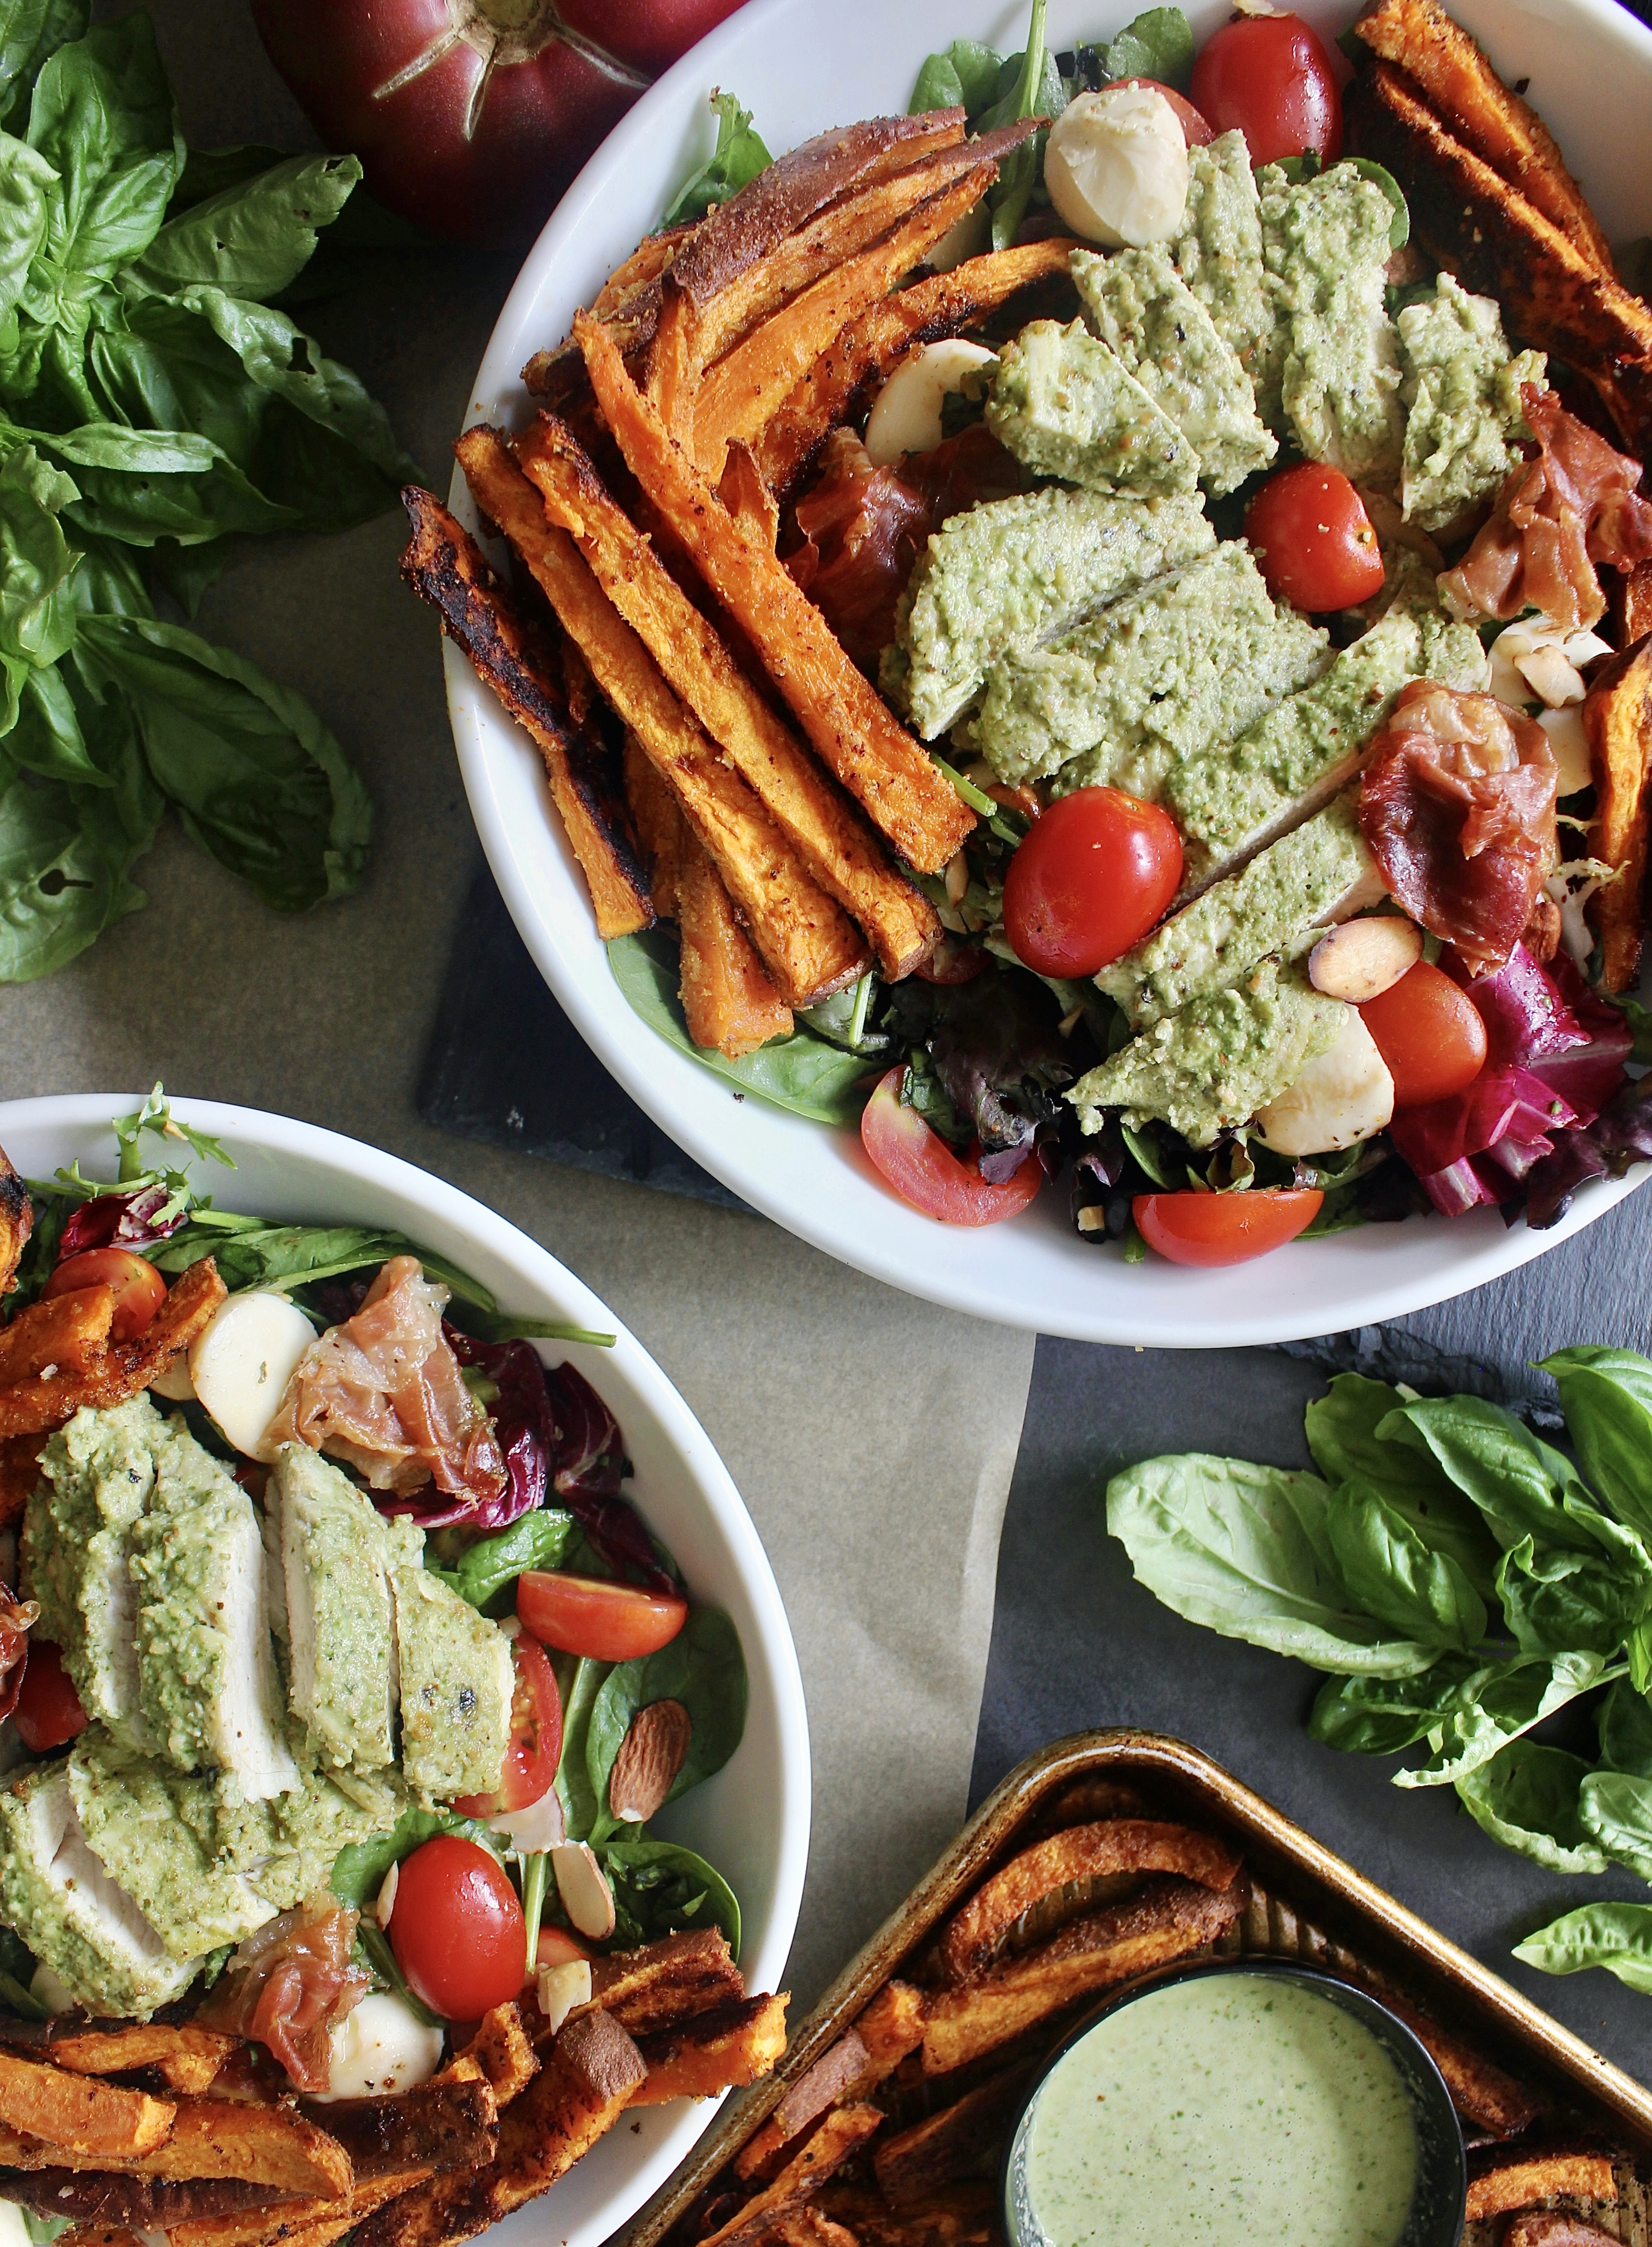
point(155, 409)
point(1461, 1581)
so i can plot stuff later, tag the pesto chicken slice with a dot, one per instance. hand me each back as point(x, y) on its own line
point(71, 1914)
point(1066, 403)
point(1139, 305)
point(1219, 254)
point(340, 1626)
point(457, 1683)
point(1465, 422)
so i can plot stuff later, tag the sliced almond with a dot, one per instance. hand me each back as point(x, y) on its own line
point(386, 1902)
point(538, 1827)
point(652, 1752)
point(562, 1988)
point(581, 1883)
point(1360, 960)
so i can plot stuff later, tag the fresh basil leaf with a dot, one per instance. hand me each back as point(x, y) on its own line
point(103, 118)
point(803, 1073)
point(1606, 1395)
point(1391, 1573)
point(1527, 1797)
point(660, 1888)
point(255, 236)
point(493, 1564)
point(253, 1254)
point(1246, 1551)
point(1615, 1936)
point(38, 617)
point(27, 185)
point(738, 158)
point(705, 1668)
point(259, 780)
point(57, 892)
point(1515, 1479)
point(214, 171)
point(358, 1871)
point(30, 33)
point(108, 582)
point(1385, 1716)
point(1626, 1730)
point(1616, 1807)
point(1159, 43)
point(1497, 1704)
point(963, 76)
point(1553, 1601)
point(138, 485)
point(46, 738)
point(583, 1808)
point(1341, 1427)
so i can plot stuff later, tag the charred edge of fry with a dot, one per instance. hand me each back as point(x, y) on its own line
point(664, 1982)
point(1482, 2095)
point(444, 567)
point(843, 2133)
point(440, 2125)
point(946, 2145)
point(1586, 2174)
point(103, 2196)
point(16, 1221)
point(1617, 716)
point(504, 2052)
point(717, 2052)
point(660, 827)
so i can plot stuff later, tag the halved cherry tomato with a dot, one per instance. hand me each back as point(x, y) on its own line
point(536, 1736)
point(139, 1290)
point(558, 1947)
point(583, 1615)
point(1430, 1034)
point(48, 1711)
point(1208, 1229)
point(925, 1172)
point(457, 1929)
point(1314, 540)
point(1195, 131)
point(1270, 76)
point(1092, 874)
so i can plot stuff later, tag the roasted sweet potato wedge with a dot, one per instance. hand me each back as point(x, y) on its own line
point(843, 2133)
point(142, 2203)
point(16, 1221)
point(503, 2050)
point(733, 2044)
point(1516, 2181)
point(440, 2125)
point(295, 2223)
point(729, 1000)
point(1617, 716)
point(662, 1985)
point(124, 1368)
point(67, 1334)
point(947, 2145)
point(187, 2057)
point(850, 2069)
point(74, 2116)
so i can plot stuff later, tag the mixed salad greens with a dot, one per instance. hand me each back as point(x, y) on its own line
point(1461, 1581)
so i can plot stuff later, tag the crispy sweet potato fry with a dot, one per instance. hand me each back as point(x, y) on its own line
point(19, 1473)
point(652, 257)
point(659, 824)
point(1482, 2095)
point(440, 2125)
point(842, 2075)
point(806, 2227)
point(1617, 716)
point(16, 1221)
point(1556, 2227)
point(730, 1003)
point(808, 945)
point(1165, 1919)
point(733, 2045)
point(187, 2057)
point(264, 2145)
point(1637, 604)
point(675, 359)
point(947, 2145)
point(63, 1333)
point(503, 2050)
point(124, 1366)
point(835, 842)
point(293, 2221)
point(842, 2134)
point(1088, 1799)
point(108, 2197)
point(891, 2027)
point(860, 738)
point(1458, 80)
point(76, 2114)
point(743, 491)
point(1518, 2182)
point(661, 1984)
point(444, 566)
point(1115, 1845)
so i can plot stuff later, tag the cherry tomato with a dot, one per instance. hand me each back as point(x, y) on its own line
point(1270, 77)
point(467, 134)
point(1094, 873)
point(925, 1172)
point(558, 1947)
point(536, 1736)
point(139, 1290)
point(1195, 131)
point(457, 1929)
point(583, 1615)
point(48, 1710)
point(1314, 539)
point(1430, 1034)
point(1208, 1229)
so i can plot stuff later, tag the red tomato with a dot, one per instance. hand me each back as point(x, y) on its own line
point(1195, 131)
point(1222, 1228)
point(925, 1172)
point(558, 1947)
point(1270, 77)
point(1314, 539)
point(457, 1929)
point(452, 142)
point(1095, 873)
point(139, 1290)
point(582, 1614)
point(48, 1710)
point(536, 1736)
point(1430, 1034)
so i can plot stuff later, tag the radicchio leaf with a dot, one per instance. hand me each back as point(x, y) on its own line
point(122, 1220)
point(587, 1468)
point(524, 1424)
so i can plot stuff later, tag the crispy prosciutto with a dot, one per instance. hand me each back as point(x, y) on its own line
point(16, 1618)
point(1456, 806)
point(1569, 507)
point(385, 1393)
point(289, 1984)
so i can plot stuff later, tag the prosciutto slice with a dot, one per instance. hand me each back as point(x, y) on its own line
point(17, 1618)
point(1456, 806)
point(1568, 508)
point(289, 1984)
point(384, 1392)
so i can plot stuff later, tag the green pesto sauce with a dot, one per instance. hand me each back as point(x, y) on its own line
point(1221, 2111)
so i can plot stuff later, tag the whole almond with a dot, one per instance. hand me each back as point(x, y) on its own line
point(653, 1751)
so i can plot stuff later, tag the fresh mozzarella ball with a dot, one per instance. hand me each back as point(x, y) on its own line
point(14, 2232)
point(907, 416)
point(1117, 166)
point(1571, 746)
point(378, 2047)
point(50, 1990)
point(1343, 1096)
point(172, 1381)
point(242, 1361)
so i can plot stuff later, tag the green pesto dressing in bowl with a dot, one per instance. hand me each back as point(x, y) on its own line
point(1218, 2111)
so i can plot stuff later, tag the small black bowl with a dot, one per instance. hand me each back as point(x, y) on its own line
point(1439, 2197)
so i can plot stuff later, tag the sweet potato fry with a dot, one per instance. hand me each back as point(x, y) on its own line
point(264, 2145)
point(822, 2086)
point(1518, 2182)
point(16, 1221)
point(859, 738)
point(187, 2057)
point(1115, 1845)
point(733, 2045)
point(503, 2050)
point(294, 2221)
point(842, 2134)
point(652, 257)
point(675, 359)
point(808, 943)
point(729, 1002)
point(76, 2114)
point(661, 1984)
point(1617, 716)
point(659, 824)
point(440, 2126)
point(1164, 1920)
point(957, 2216)
point(890, 2026)
point(101, 2235)
point(1637, 604)
point(1556, 2227)
point(743, 491)
point(19, 1473)
point(946, 2146)
point(1460, 85)
point(1482, 2094)
point(444, 567)
point(835, 843)
point(63, 1333)
point(108, 2197)
point(124, 1366)
point(806, 2227)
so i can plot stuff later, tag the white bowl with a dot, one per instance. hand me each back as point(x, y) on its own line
point(801, 68)
point(752, 1820)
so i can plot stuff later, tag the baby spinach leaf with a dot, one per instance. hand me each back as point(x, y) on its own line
point(963, 76)
point(1246, 1551)
point(1399, 225)
point(1038, 92)
point(1616, 1807)
point(358, 1871)
point(738, 156)
point(705, 1668)
point(583, 1808)
point(254, 236)
point(1384, 1716)
point(1341, 1434)
point(1626, 1730)
point(1553, 1601)
point(1158, 43)
point(1391, 1573)
point(1496, 1704)
point(660, 1888)
point(803, 1073)
point(1606, 1395)
point(1515, 1479)
point(1615, 1936)
point(1527, 1797)
point(493, 1564)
